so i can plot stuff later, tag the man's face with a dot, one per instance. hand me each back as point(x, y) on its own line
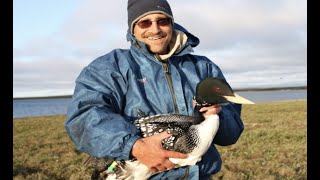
point(157, 36)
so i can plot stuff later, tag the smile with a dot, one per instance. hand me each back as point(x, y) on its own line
point(154, 38)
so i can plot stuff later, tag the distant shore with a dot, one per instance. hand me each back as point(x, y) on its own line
point(271, 89)
point(236, 90)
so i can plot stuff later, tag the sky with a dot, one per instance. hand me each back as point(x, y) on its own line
point(256, 44)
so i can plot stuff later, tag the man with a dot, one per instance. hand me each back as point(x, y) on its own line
point(157, 75)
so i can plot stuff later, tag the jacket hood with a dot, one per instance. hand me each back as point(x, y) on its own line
point(192, 41)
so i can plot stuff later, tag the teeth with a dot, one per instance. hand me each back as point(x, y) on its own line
point(154, 38)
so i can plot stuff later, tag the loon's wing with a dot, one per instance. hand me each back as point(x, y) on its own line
point(177, 125)
point(172, 123)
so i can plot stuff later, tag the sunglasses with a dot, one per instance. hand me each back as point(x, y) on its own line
point(147, 23)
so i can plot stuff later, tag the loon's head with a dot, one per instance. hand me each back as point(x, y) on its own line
point(212, 91)
point(216, 91)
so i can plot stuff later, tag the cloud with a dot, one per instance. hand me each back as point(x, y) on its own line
point(255, 43)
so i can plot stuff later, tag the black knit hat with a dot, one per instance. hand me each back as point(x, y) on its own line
point(139, 8)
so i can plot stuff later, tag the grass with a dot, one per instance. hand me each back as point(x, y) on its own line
point(273, 146)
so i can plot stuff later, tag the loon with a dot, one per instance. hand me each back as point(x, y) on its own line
point(191, 135)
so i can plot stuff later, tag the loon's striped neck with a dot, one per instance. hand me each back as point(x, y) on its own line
point(198, 118)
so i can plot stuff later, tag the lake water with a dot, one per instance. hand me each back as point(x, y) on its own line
point(45, 107)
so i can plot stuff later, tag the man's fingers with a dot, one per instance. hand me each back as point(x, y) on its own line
point(153, 170)
point(214, 109)
point(161, 168)
point(168, 164)
point(208, 108)
point(173, 154)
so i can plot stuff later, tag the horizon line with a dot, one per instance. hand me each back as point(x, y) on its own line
point(236, 90)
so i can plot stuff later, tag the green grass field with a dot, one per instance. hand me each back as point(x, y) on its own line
point(273, 146)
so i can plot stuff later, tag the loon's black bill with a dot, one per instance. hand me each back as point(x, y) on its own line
point(238, 99)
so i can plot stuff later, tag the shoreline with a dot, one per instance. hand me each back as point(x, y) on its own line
point(64, 114)
point(236, 90)
point(272, 88)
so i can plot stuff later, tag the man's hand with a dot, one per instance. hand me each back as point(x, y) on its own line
point(150, 153)
point(214, 109)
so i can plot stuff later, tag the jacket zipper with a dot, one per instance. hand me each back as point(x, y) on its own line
point(168, 76)
point(186, 175)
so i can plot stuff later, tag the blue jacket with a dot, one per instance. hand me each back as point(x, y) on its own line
point(111, 90)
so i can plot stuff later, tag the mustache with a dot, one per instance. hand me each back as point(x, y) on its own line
point(151, 34)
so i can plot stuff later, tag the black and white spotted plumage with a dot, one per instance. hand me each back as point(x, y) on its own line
point(191, 135)
point(183, 138)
